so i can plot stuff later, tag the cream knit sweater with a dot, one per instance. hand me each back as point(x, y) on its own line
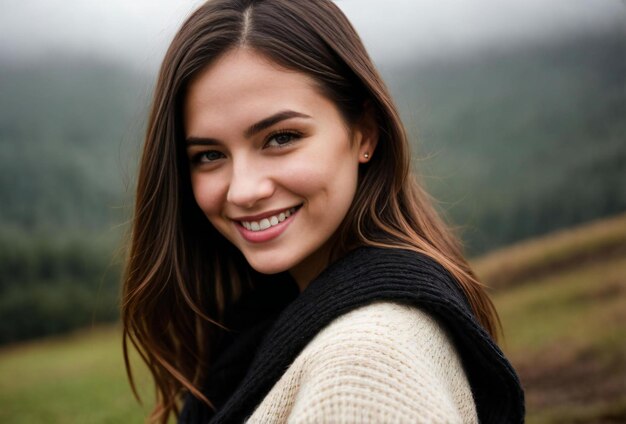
point(380, 363)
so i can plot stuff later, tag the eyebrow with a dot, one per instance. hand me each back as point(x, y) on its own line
point(254, 128)
point(272, 120)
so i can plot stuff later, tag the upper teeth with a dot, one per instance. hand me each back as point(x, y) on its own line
point(268, 222)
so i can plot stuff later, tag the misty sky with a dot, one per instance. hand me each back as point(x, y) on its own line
point(137, 32)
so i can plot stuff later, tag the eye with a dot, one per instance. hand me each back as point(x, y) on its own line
point(282, 138)
point(207, 156)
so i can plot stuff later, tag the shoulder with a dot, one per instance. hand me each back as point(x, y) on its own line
point(380, 362)
point(380, 322)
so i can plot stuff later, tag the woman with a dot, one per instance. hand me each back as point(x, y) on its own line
point(284, 264)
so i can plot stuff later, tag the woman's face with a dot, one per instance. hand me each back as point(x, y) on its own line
point(273, 164)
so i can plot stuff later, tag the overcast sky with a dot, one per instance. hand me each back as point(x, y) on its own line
point(138, 31)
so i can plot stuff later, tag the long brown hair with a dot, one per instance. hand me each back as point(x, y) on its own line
point(181, 273)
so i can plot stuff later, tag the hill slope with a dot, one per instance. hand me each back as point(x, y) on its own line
point(563, 333)
point(523, 141)
point(562, 312)
point(518, 142)
point(68, 127)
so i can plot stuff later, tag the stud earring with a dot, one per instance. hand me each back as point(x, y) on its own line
point(366, 155)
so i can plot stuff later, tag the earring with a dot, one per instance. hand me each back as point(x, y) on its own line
point(366, 155)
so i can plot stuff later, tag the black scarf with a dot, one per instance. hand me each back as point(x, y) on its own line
point(250, 365)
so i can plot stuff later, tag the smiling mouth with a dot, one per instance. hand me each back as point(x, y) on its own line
point(270, 221)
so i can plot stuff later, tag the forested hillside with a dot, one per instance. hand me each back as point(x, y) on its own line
point(69, 136)
point(522, 141)
point(67, 128)
point(513, 142)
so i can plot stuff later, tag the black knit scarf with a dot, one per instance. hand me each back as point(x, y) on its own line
point(253, 362)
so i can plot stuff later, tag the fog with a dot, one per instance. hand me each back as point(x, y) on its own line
point(138, 32)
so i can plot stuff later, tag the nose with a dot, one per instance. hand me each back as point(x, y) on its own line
point(249, 183)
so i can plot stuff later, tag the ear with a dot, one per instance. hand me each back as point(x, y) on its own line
point(367, 130)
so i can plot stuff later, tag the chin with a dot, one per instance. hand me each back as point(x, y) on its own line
point(268, 267)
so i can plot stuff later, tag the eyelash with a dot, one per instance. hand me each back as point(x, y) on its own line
point(295, 135)
point(197, 158)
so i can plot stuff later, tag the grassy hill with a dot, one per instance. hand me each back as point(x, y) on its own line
point(562, 301)
point(563, 330)
point(78, 378)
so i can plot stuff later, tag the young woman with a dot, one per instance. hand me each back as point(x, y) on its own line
point(284, 264)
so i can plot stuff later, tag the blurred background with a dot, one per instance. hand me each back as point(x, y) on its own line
point(517, 112)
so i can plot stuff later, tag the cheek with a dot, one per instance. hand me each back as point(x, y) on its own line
point(209, 194)
point(327, 181)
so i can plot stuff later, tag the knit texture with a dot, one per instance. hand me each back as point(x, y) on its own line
point(381, 363)
point(364, 276)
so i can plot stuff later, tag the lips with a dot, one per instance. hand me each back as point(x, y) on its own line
point(267, 226)
point(270, 221)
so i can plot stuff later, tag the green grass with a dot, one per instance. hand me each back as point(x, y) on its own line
point(564, 334)
point(547, 254)
point(574, 307)
point(73, 379)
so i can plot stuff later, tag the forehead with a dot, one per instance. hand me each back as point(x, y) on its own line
point(242, 86)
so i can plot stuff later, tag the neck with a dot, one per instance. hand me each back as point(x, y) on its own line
point(311, 267)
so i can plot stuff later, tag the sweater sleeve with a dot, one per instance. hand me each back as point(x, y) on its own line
point(384, 362)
